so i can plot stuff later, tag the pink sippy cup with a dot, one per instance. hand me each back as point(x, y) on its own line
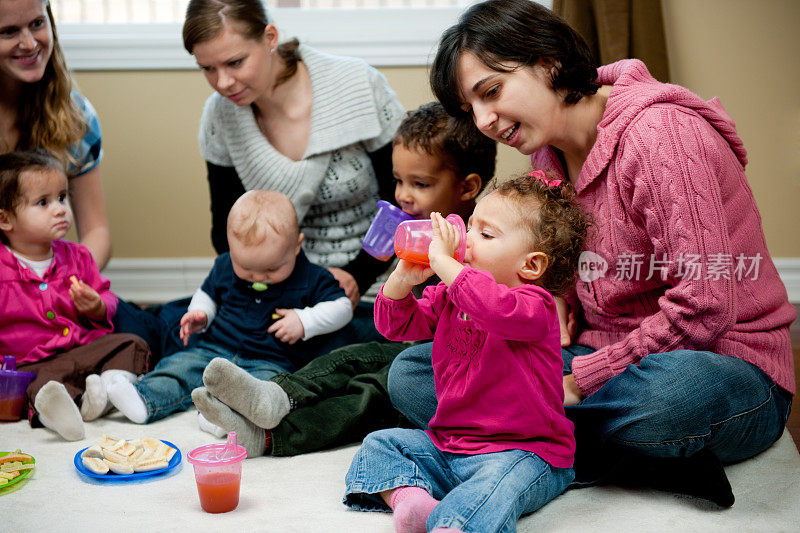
point(413, 238)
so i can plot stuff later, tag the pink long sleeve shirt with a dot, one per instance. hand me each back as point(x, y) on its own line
point(498, 373)
point(37, 316)
point(677, 224)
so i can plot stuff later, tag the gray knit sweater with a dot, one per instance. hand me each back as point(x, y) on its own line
point(333, 187)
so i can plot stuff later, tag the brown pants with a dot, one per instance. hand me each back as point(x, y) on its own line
point(113, 351)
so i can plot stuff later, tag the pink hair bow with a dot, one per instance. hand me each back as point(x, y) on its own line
point(541, 176)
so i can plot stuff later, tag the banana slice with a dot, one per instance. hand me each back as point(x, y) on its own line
point(98, 466)
point(93, 451)
point(147, 466)
point(119, 468)
point(107, 442)
point(114, 457)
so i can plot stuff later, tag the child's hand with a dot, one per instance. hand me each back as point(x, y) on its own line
point(288, 329)
point(404, 278)
point(443, 246)
point(87, 301)
point(191, 323)
point(445, 238)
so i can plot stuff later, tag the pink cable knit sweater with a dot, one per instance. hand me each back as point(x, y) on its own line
point(665, 179)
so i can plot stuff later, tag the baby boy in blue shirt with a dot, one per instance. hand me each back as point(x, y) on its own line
point(263, 306)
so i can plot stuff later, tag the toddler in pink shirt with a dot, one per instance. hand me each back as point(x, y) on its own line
point(499, 436)
point(56, 307)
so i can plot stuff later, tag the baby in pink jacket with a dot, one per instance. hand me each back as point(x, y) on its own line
point(56, 308)
point(500, 426)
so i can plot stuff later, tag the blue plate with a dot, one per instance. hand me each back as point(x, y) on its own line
point(111, 476)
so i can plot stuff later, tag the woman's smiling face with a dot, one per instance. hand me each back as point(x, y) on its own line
point(517, 108)
point(26, 40)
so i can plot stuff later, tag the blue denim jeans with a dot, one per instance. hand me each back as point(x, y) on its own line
point(168, 388)
point(483, 493)
point(671, 404)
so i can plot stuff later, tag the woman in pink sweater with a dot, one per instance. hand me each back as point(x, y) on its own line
point(683, 359)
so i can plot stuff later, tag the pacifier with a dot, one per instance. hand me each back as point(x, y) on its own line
point(259, 286)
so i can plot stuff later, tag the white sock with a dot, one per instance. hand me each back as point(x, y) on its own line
point(94, 402)
point(124, 396)
point(58, 412)
point(108, 376)
point(208, 427)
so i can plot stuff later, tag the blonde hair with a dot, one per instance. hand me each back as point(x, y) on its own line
point(256, 212)
point(48, 117)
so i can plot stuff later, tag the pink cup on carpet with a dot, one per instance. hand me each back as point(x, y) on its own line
point(218, 474)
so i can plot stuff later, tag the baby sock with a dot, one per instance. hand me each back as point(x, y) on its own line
point(94, 402)
point(264, 403)
point(248, 434)
point(58, 412)
point(124, 396)
point(411, 506)
point(208, 427)
point(110, 375)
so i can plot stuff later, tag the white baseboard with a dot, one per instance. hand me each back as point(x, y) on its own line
point(789, 271)
point(154, 280)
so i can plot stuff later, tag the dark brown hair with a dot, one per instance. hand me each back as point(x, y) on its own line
point(557, 225)
point(205, 20)
point(506, 35)
point(12, 165)
point(460, 145)
point(47, 116)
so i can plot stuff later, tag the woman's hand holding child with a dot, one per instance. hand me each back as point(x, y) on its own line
point(87, 301)
point(566, 320)
point(191, 323)
point(288, 329)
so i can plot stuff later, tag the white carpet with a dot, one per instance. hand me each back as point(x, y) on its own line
point(303, 494)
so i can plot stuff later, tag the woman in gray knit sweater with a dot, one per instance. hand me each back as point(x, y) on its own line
point(315, 127)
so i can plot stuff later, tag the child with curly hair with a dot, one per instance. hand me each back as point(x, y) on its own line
point(499, 444)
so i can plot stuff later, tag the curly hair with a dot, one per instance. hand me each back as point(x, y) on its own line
point(557, 225)
point(506, 35)
point(462, 147)
point(205, 20)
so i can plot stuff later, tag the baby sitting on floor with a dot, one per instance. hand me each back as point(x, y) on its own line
point(264, 307)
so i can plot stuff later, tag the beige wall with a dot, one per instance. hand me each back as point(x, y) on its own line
point(740, 50)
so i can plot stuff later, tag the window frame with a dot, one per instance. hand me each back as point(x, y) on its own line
point(382, 37)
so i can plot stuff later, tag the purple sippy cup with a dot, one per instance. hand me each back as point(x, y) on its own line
point(379, 241)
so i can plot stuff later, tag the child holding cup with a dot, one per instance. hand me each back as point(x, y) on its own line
point(500, 444)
